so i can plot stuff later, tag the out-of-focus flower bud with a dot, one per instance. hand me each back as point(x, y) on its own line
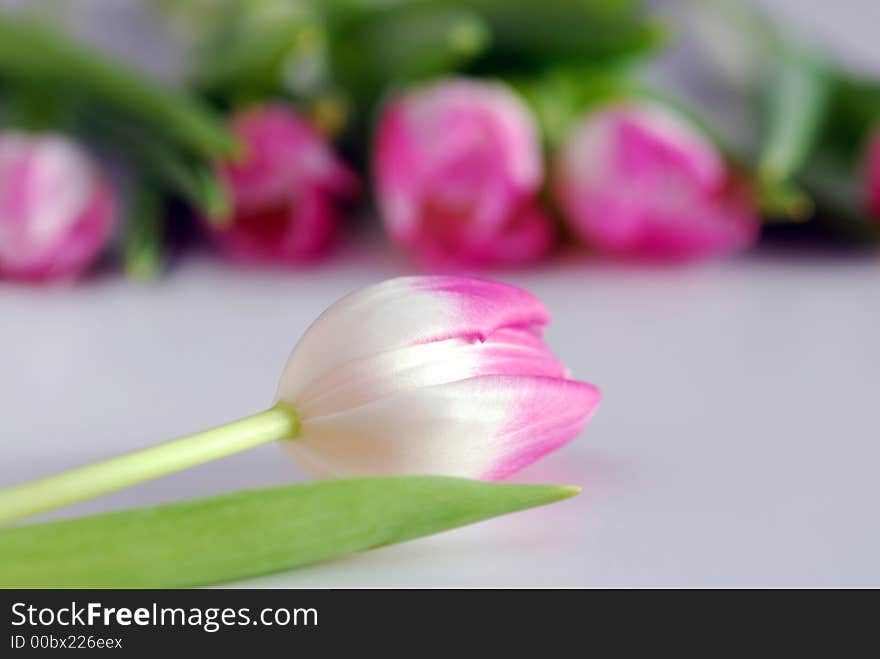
point(458, 168)
point(872, 174)
point(285, 190)
point(56, 208)
point(637, 180)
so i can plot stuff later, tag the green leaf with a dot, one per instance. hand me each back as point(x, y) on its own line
point(232, 536)
point(248, 51)
point(34, 53)
point(530, 35)
point(797, 101)
point(411, 42)
point(376, 44)
point(560, 96)
point(194, 180)
point(855, 111)
point(834, 183)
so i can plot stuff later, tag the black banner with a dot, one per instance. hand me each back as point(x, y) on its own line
point(333, 622)
point(115, 621)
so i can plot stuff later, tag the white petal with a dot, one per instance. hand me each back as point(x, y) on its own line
point(507, 351)
point(481, 427)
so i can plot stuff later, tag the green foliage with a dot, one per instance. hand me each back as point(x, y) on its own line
point(221, 538)
point(35, 56)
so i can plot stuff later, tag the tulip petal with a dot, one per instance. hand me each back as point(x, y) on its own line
point(529, 237)
point(283, 153)
point(404, 312)
point(485, 427)
point(293, 230)
point(872, 173)
point(508, 351)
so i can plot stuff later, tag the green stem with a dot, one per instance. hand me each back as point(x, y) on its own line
point(278, 422)
point(797, 104)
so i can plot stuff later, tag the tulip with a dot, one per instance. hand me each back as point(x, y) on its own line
point(416, 375)
point(56, 208)
point(637, 180)
point(431, 375)
point(872, 174)
point(458, 169)
point(285, 190)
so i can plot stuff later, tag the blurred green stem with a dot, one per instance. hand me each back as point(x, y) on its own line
point(144, 232)
point(797, 104)
point(798, 97)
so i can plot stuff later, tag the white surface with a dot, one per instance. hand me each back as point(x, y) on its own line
point(737, 444)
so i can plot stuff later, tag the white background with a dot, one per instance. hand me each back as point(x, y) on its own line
point(737, 444)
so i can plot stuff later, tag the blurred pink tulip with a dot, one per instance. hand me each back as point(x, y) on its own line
point(285, 190)
point(637, 180)
point(458, 168)
point(872, 174)
point(56, 208)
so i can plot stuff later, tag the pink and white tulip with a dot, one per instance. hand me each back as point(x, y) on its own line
point(872, 174)
point(637, 180)
point(56, 208)
point(285, 190)
point(431, 375)
point(458, 168)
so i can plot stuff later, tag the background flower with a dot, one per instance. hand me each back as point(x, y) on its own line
point(637, 180)
point(458, 167)
point(56, 208)
point(872, 174)
point(285, 190)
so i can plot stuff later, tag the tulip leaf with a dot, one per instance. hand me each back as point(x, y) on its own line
point(38, 55)
point(529, 35)
point(195, 181)
point(855, 111)
point(834, 183)
point(797, 102)
point(249, 533)
point(411, 42)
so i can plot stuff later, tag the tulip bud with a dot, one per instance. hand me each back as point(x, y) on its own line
point(637, 180)
point(431, 375)
point(872, 174)
point(56, 208)
point(285, 190)
point(458, 168)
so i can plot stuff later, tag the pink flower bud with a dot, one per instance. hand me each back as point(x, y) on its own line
point(56, 208)
point(872, 174)
point(431, 375)
point(285, 190)
point(637, 180)
point(458, 168)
